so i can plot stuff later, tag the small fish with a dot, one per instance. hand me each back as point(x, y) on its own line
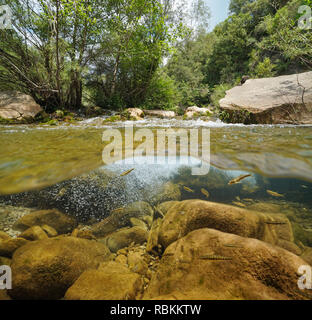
point(275, 222)
point(303, 186)
point(205, 192)
point(188, 189)
point(214, 257)
point(118, 210)
point(126, 172)
point(238, 179)
point(229, 245)
point(274, 194)
point(248, 200)
point(61, 193)
point(239, 204)
point(238, 198)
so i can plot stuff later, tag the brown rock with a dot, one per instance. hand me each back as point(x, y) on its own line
point(121, 218)
point(136, 263)
point(168, 192)
point(190, 215)
point(152, 240)
point(124, 237)
point(51, 232)
point(59, 221)
point(111, 281)
point(45, 269)
point(5, 261)
point(165, 206)
point(135, 222)
point(8, 247)
point(34, 233)
point(4, 236)
point(211, 265)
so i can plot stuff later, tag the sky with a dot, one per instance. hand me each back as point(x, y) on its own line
point(219, 11)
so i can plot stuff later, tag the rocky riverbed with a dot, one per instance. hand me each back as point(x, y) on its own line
point(190, 249)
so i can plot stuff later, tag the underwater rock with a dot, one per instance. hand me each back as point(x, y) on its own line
point(4, 236)
point(190, 215)
point(136, 262)
point(212, 265)
point(34, 233)
point(111, 281)
point(51, 232)
point(168, 192)
point(5, 261)
point(152, 240)
point(148, 220)
point(84, 234)
point(120, 218)
point(165, 206)
point(59, 221)
point(45, 269)
point(4, 295)
point(135, 222)
point(124, 237)
point(8, 247)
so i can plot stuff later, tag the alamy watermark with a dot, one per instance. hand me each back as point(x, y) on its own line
point(160, 147)
point(5, 278)
point(5, 17)
point(305, 20)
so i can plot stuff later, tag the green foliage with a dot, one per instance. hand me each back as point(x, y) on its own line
point(219, 92)
point(109, 50)
point(237, 116)
point(162, 93)
point(260, 39)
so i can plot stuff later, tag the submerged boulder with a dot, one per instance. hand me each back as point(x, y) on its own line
point(111, 281)
point(120, 218)
point(18, 106)
point(61, 222)
point(124, 237)
point(9, 246)
point(279, 100)
point(45, 269)
point(190, 215)
point(208, 264)
point(167, 192)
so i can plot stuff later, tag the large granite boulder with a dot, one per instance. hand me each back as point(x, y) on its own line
point(211, 265)
point(279, 100)
point(17, 106)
